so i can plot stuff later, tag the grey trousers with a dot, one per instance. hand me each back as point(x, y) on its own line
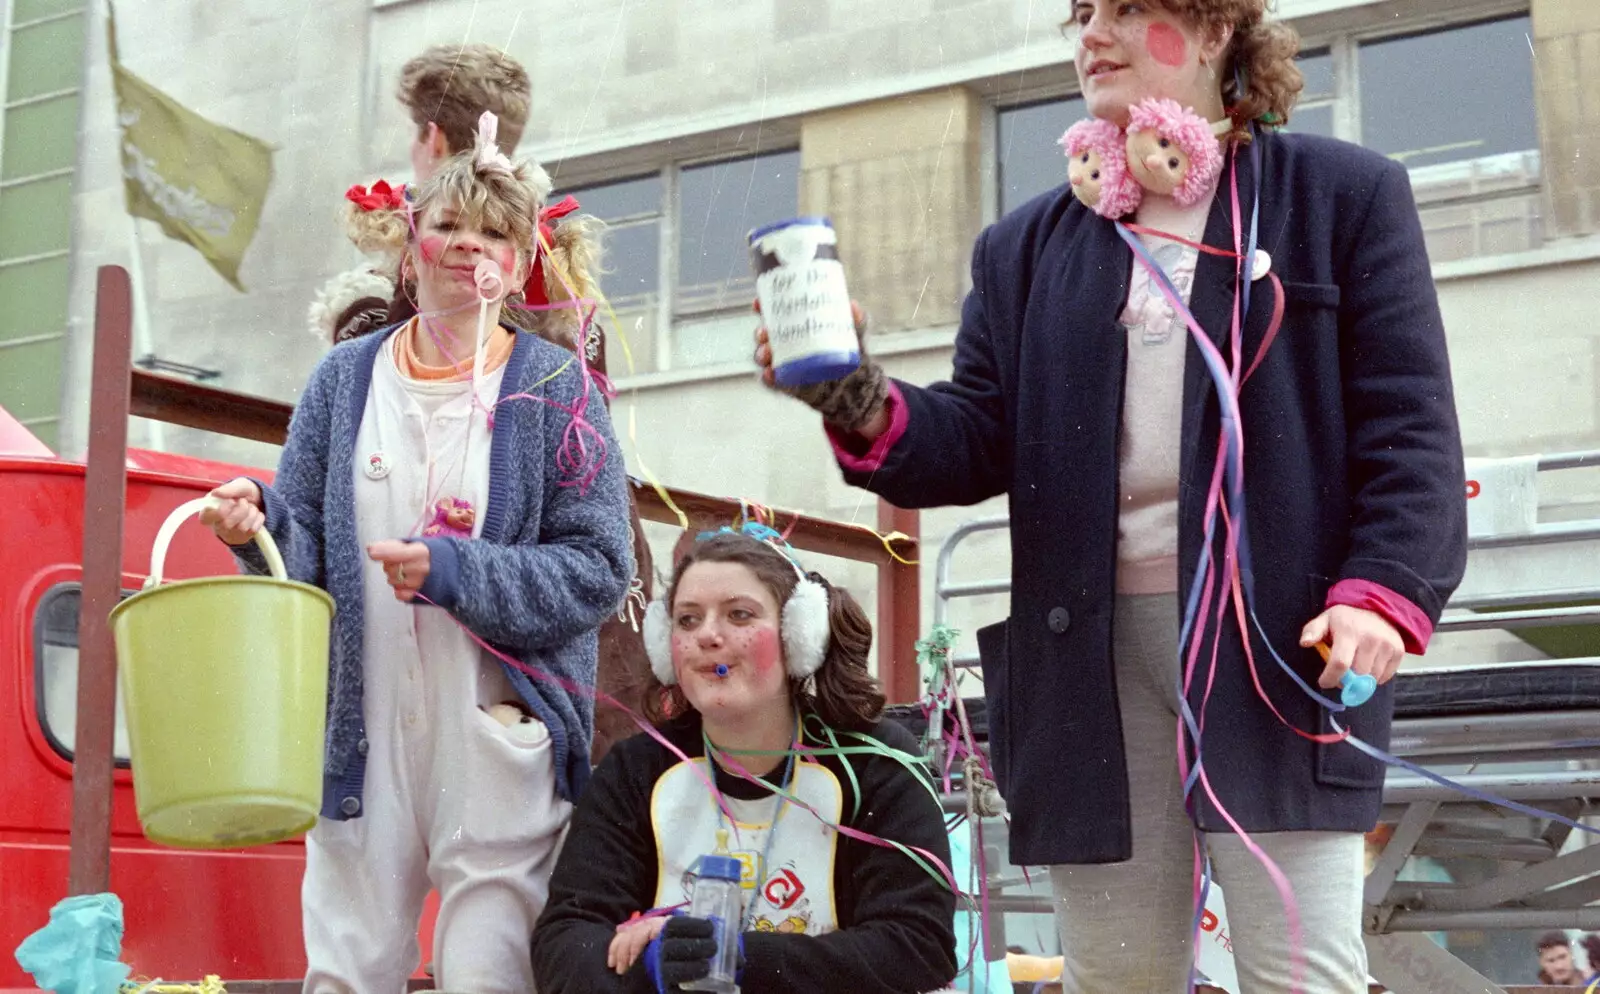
point(1125, 927)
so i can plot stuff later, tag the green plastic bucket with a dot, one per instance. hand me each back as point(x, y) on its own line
point(225, 685)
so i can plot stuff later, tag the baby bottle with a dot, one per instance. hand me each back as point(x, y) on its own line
point(717, 899)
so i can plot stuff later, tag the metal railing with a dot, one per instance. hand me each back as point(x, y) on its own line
point(1466, 613)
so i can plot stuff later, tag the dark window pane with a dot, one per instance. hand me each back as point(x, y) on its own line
point(55, 655)
point(623, 199)
point(631, 258)
point(1317, 68)
point(1312, 120)
point(718, 205)
point(1467, 93)
point(1030, 160)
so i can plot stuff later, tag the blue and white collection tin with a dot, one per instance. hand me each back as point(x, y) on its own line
point(804, 301)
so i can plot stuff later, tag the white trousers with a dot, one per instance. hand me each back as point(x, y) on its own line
point(453, 800)
point(1125, 927)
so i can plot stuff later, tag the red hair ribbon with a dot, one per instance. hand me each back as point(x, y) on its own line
point(381, 197)
point(533, 291)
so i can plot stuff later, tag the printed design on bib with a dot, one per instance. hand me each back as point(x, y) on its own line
point(796, 892)
point(1149, 313)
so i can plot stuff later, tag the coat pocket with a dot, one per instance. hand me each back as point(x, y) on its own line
point(994, 655)
point(1340, 764)
point(1311, 294)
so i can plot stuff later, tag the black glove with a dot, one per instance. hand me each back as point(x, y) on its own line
point(682, 952)
point(852, 401)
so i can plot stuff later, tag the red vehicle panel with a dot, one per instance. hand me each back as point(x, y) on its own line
point(188, 914)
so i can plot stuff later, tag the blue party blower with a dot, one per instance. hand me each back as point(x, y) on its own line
point(1355, 689)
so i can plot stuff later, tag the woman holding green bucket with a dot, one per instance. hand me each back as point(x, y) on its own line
point(447, 481)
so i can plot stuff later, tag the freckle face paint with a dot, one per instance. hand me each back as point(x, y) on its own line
point(1165, 44)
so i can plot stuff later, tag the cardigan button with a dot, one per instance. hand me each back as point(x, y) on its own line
point(350, 806)
point(362, 747)
point(1059, 620)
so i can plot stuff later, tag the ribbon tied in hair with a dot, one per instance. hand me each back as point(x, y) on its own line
point(382, 196)
point(533, 291)
point(489, 155)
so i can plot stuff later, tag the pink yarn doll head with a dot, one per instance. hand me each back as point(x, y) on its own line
point(1172, 151)
point(1097, 167)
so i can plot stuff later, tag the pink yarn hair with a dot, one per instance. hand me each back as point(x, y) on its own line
point(1120, 193)
point(1192, 133)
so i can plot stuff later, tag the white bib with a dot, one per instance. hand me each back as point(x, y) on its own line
point(795, 894)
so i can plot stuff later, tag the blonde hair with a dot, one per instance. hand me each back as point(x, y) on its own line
point(451, 85)
point(1260, 56)
point(381, 232)
point(507, 196)
point(502, 195)
point(574, 254)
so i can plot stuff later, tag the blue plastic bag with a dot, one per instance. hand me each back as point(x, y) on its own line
point(980, 976)
point(78, 952)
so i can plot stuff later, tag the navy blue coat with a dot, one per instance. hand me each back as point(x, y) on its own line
point(1353, 470)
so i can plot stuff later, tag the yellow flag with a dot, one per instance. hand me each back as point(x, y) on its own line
point(202, 182)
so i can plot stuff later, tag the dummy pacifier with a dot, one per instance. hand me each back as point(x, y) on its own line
point(1355, 689)
point(490, 280)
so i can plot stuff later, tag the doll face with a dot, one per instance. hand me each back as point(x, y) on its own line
point(1127, 52)
point(724, 617)
point(1156, 162)
point(1083, 170)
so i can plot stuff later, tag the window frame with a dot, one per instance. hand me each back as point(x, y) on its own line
point(662, 305)
point(1344, 46)
point(37, 625)
point(8, 30)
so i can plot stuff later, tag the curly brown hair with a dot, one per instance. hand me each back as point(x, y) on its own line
point(842, 692)
point(1260, 56)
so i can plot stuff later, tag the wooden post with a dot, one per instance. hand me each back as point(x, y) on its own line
point(104, 491)
point(899, 609)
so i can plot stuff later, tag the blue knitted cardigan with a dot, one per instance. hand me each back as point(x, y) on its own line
point(549, 566)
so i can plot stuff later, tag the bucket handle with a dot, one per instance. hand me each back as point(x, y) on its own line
point(169, 528)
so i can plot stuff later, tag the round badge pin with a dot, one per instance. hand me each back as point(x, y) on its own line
point(377, 466)
point(1260, 265)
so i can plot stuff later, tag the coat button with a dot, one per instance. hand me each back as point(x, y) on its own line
point(361, 747)
point(350, 806)
point(1059, 620)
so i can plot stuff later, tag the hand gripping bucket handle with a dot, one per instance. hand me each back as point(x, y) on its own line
point(169, 528)
point(224, 682)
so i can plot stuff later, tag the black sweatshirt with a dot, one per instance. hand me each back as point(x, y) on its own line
point(894, 921)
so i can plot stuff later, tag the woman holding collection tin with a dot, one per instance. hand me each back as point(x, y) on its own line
point(1210, 372)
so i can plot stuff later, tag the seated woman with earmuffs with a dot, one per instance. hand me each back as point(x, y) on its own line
point(759, 662)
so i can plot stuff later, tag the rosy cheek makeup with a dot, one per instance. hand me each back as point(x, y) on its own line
point(433, 248)
point(1165, 44)
point(764, 649)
